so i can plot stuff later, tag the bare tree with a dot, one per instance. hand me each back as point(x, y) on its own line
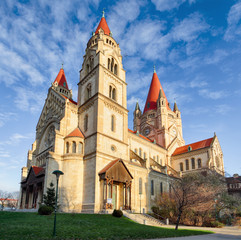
point(196, 191)
point(4, 195)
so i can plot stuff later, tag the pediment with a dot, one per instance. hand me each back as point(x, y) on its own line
point(117, 171)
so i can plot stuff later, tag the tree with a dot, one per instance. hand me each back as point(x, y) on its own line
point(49, 197)
point(4, 195)
point(196, 191)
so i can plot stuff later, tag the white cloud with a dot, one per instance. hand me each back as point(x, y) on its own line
point(198, 82)
point(15, 139)
point(212, 94)
point(234, 27)
point(28, 100)
point(218, 55)
point(5, 117)
point(145, 39)
point(223, 109)
point(167, 5)
point(122, 13)
point(189, 28)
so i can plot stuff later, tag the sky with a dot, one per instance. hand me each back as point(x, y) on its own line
point(194, 44)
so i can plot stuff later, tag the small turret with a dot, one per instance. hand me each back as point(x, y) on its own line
point(137, 112)
point(137, 117)
point(60, 84)
point(175, 108)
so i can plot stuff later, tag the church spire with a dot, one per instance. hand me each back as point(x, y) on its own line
point(137, 106)
point(61, 79)
point(175, 108)
point(103, 25)
point(155, 91)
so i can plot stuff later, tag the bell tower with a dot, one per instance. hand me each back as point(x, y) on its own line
point(102, 106)
point(158, 122)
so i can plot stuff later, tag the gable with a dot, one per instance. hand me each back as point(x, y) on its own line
point(117, 171)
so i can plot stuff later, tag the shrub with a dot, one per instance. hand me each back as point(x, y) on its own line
point(45, 210)
point(215, 223)
point(117, 213)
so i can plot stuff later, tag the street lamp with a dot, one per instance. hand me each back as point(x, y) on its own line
point(57, 173)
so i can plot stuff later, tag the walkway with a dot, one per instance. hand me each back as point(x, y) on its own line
point(232, 233)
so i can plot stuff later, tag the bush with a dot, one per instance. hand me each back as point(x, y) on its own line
point(45, 210)
point(215, 223)
point(117, 213)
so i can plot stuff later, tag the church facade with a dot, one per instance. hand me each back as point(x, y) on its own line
point(105, 164)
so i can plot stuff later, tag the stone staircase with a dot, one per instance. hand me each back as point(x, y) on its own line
point(143, 219)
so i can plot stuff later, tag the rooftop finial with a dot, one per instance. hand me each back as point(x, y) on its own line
point(62, 65)
point(154, 68)
point(103, 13)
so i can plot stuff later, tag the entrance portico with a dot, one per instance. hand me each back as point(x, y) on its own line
point(115, 180)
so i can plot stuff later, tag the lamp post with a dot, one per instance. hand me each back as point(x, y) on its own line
point(57, 173)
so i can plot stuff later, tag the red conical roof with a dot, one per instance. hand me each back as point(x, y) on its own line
point(61, 79)
point(103, 24)
point(153, 94)
point(76, 133)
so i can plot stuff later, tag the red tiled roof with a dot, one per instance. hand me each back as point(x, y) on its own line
point(69, 99)
point(76, 133)
point(140, 135)
point(103, 24)
point(108, 166)
point(153, 94)
point(8, 199)
point(61, 79)
point(195, 146)
point(37, 170)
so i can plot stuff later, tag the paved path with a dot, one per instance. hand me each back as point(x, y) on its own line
point(225, 233)
point(204, 237)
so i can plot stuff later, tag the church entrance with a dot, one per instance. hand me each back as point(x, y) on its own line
point(116, 181)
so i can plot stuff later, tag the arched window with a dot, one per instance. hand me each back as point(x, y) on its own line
point(161, 188)
point(113, 94)
point(115, 69)
point(80, 148)
point(112, 123)
point(112, 65)
point(199, 163)
point(86, 123)
point(140, 152)
point(91, 63)
point(108, 63)
point(181, 167)
point(140, 185)
point(154, 158)
point(193, 163)
point(110, 91)
point(135, 150)
point(88, 92)
point(187, 164)
point(73, 147)
point(144, 155)
point(157, 159)
point(67, 147)
point(152, 187)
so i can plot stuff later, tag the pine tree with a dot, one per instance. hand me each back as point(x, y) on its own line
point(49, 197)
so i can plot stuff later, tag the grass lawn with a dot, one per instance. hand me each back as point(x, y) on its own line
point(20, 226)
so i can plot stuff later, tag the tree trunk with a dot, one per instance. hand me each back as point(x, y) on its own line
point(178, 219)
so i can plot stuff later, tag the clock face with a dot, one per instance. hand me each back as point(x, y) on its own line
point(147, 131)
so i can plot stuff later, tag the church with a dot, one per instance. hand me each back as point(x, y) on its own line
point(107, 166)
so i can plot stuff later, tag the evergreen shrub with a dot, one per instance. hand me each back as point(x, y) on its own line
point(117, 213)
point(45, 210)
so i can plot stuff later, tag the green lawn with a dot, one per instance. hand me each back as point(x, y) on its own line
point(20, 226)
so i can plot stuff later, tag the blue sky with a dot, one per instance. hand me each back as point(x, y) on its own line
point(195, 45)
